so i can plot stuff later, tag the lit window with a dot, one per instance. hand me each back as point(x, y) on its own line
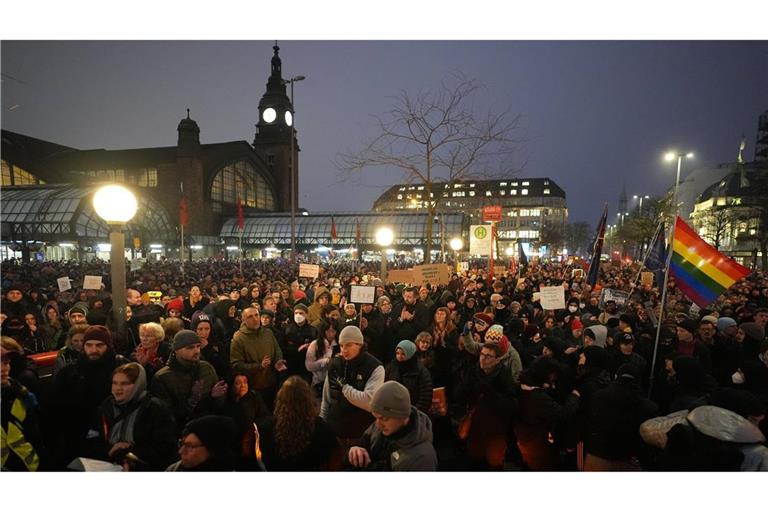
point(502, 192)
point(241, 180)
point(720, 201)
point(524, 192)
point(418, 196)
point(431, 195)
point(515, 183)
point(411, 188)
point(488, 193)
point(399, 196)
point(513, 191)
point(457, 185)
point(471, 185)
point(502, 183)
point(471, 193)
point(546, 182)
point(420, 188)
point(525, 213)
point(526, 183)
point(546, 191)
point(401, 188)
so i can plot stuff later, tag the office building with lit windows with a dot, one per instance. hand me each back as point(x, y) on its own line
point(527, 204)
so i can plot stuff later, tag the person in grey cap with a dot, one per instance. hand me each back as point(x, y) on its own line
point(188, 385)
point(353, 376)
point(401, 437)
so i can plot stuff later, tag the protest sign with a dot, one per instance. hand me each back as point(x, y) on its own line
point(362, 294)
point(552, 297)
point(64, 284)
point(646, 278)
point(92, 283)
point(619, 296)
point(136, 264)
point(309, 270)
point(432, 274)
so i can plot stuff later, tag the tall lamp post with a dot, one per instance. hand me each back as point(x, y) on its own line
point(457, 244)
point(384, 238)
point(669, 157)
point(641, 201)
point(116, 205)
point(293, 176)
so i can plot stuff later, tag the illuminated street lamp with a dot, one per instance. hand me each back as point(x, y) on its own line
point(641, 201)
point(457, 244)
point(384, 238)
point(116, 205)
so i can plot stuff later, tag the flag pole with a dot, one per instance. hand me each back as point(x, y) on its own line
point(670, 250)
point(181, 254)
point(647, 255)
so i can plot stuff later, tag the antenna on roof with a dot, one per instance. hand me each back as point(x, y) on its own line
point(187, 113)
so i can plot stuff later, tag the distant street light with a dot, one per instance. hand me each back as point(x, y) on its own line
point(116, 205)
point(384, 238)
point(641, 201)
point(457, 244)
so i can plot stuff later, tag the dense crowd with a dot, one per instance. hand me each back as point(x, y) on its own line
point(221, 366)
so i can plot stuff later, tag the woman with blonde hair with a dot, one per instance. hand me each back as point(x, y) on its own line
point(296, 438)
point(153, 351)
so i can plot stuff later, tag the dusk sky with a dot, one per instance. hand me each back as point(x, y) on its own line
point(598, 114)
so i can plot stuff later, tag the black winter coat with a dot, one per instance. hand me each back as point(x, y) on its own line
point(415, 378)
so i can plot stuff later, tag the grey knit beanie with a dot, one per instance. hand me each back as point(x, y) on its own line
point(185, 338)
point(392, 400)
point(351, 334)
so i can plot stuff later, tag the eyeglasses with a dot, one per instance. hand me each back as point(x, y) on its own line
point(487, 356)
point(190, 446)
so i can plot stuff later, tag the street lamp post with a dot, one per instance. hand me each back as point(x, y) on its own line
point(641, 202)
point(384, 238)
point(293, 175)
point(457, 244)
point(116, 205)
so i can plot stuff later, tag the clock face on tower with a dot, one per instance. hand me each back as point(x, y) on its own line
point(269, 115)
point(288, 118)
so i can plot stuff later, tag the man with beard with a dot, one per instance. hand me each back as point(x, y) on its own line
point(80, 388)
point(412, 316)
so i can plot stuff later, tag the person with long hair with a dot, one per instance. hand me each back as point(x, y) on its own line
point(134, 430)
point(246, 407)
point(320, 352)
point(73, 347)
point(296, 438)
point(445, 345)
point(52, 323)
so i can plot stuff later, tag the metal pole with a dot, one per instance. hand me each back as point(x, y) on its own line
point(117, 256)
point(383, 264)
point(666, 279)
point(293, 181)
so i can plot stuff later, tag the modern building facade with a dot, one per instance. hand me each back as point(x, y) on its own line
point(528, 204)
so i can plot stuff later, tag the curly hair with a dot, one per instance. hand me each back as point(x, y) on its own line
point(295, 417)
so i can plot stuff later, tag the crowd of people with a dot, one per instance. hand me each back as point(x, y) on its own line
point(222, 366)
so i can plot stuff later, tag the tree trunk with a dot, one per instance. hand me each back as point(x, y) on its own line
point(428, 233)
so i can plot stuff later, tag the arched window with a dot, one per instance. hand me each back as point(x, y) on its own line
point(240, 179)
point(15, 175)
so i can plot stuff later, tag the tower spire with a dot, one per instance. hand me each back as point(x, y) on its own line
point(742, 147)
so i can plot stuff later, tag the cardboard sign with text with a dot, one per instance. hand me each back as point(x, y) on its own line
point(400, 276)
point(646, 278)
point(552, 297)
point(309, 270)
point(432, 274)
point(92, 283)
point(64, 284)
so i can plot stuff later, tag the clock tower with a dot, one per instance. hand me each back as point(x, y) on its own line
point(274, 131)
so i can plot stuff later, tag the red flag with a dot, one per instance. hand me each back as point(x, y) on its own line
point(358, 236)
point(333, 229)
point(240, 218)
point(183, 212)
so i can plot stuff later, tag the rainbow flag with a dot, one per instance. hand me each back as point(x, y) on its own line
point(700, 271)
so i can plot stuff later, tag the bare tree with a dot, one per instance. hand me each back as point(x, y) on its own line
point(439, 137)
point(716, 224)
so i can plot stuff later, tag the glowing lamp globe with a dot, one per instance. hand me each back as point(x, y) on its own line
point(115, 204)
point(457, 244)
point(384, 237)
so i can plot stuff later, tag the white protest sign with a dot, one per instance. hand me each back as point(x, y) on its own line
point(309, 270)
point(64, 284)
point(552, 297)
point(362, 294)
point(619, 296)
point(136, 264)
point(464, 266)
point(92, 283)
point(480, 240)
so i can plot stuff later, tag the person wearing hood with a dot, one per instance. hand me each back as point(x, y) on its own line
point(411, 373)
point(225, 323)
point(130, 428)
point(210, 349)
point(468, 309)
point(708, 438)
point(256, 352)
point(400, 439)
point(79, 388)
point(612, 441)
point(502, 313)
point(298, 335)
point(595, 335)
point(322, 298)
point(208, 443)
point(186, 384)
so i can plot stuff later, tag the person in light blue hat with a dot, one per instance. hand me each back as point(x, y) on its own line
point(411, 373)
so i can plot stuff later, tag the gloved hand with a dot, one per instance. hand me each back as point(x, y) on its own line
point(339, 381)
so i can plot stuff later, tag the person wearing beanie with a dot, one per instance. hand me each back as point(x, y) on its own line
point(188, 385)
point(299, 333)
point(486, 401)
point(509, 356)
point(175, 308)
point(208, 443)
point(79, 388)
point(411, 373)
point(349, 386)
point(400, 438)
point(689, 345)
point(727, 353)
point(626, 354)
point(77, 314)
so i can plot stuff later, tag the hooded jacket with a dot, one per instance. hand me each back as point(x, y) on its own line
point(409, 449)
point(315, 311)
point(249, 347)
point(599, 333)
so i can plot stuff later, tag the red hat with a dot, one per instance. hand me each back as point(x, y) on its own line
point(176, 304)
point(485, 317)
point(504, 345)
point(576, 324)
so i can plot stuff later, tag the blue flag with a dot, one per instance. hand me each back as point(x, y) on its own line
point(657, 256)
point(522, 258)
point(597, 249)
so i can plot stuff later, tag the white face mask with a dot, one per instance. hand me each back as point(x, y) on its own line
point(572, 309)
point(298, 318)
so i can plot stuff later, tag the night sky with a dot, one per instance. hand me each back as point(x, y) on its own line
point(598, 114)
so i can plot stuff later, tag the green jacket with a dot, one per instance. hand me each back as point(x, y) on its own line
point(249, 347)
point(173, 385)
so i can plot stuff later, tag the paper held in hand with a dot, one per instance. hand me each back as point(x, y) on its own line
point(309, 270)
point(362, 294)
point(92, 283)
